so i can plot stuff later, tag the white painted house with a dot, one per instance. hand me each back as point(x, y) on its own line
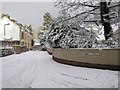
point(9, 31)
point(13, 33)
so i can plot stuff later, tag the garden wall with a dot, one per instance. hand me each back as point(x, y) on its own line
point(19, 49)
point(94, 58)
point(50, 50)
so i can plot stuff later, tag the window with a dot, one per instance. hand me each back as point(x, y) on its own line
point(17, 43)
point(22, 43)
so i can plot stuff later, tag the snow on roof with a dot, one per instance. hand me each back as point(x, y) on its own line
point(35, 44)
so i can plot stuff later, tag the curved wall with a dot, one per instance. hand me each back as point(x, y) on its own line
point(50, 50)
point(105, 58)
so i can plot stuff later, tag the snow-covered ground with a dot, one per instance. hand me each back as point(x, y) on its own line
point(36, 69)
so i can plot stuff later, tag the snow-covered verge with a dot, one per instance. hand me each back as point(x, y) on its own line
point(36, 69)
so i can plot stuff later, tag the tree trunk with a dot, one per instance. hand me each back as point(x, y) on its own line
point(105, 19)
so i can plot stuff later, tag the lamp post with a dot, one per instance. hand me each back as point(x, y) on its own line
point(4, 35)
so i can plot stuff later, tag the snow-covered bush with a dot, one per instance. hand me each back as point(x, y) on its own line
point(110, 43)
point(70, 35)
point(69, 30)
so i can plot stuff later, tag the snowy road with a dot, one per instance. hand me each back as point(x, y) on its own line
point(36, 69)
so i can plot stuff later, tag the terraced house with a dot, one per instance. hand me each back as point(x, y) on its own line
point(14, 34)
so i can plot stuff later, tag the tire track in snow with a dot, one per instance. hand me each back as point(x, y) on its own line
point(70, 84)
point(38, 68)
point(76, 77)
point(33, 73)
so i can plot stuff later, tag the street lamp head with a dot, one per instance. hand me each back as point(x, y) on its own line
point(7, 24)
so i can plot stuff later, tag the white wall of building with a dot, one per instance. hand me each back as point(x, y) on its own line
point(11, 30)
point(15, 33)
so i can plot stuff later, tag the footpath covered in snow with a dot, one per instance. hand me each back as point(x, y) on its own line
point(36, 69)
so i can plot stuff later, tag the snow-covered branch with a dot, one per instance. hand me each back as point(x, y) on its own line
point(67, 32)
point(93, 6)
point(78, 15)
point(90, 21)
point(117, 5)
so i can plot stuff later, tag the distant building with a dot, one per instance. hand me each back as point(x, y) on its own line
point(37, 45)
point(13, 33)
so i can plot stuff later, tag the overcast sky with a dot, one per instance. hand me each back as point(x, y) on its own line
point(29, 12)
